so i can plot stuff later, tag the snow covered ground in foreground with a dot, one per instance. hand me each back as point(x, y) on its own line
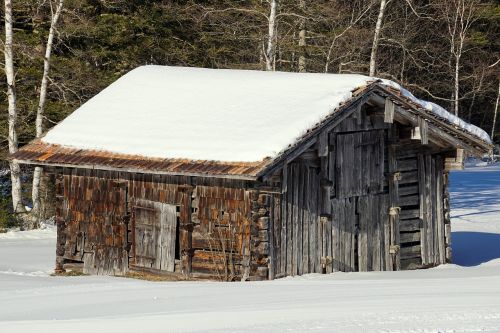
point(463, 297)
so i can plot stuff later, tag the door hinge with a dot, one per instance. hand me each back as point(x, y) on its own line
point(393, 211)
point(325, 261)
point(393, 249)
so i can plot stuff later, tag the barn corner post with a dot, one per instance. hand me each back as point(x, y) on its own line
point(447, 217)
point(261, 235)
point(60, 223)
point(186, 230)
point(394, 177)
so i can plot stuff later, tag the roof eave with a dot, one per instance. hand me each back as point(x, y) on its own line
point(474, 144)
point(133, 170)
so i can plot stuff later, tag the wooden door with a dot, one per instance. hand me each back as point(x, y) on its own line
point(430, 171)
point(360, 222)
point(154, 240)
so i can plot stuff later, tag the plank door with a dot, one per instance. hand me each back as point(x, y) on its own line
point(360, 223)
point(433, 248)
point(154, 240)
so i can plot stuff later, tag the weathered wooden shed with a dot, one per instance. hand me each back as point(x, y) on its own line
point(246, 175)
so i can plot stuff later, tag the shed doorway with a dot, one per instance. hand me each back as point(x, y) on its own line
point(361, 223)
point(155, 235)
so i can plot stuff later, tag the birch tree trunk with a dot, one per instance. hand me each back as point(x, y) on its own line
point(35, 194)
point(495, 114)
point(456, 90)
point(471, 107)
point(15, 170)
point(271, 40)
point(376, 38)
point(460, 16)
point(302, 39)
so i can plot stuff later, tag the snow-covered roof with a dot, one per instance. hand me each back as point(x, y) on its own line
point(208, 114)
point(203, 114)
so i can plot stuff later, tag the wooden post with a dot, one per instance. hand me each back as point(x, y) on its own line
point(394, 210)
point(424, 130)
point(389, 111)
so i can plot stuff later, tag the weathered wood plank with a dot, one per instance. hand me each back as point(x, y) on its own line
point(410, 237)
point(295, 216)
point(289, 232)
point(389, 111)
point(440, 234)
point(424, 130)
point(300, 218)
point(423, 208)
point(410, 225)
point(408, 190)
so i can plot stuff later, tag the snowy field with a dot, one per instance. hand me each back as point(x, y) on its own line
point(463, 297)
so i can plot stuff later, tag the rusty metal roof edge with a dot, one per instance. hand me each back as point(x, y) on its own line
point(137, 170)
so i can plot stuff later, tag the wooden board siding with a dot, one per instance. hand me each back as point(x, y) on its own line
point(374, 233)
point(221, 231)
point(360, 163)
point(355, 204)
point(360, 210)
point(432, 231)
point(154, 228)
point(297, 238)
point(94, 222)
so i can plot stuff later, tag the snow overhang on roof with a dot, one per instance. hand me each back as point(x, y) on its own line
point(205, 121)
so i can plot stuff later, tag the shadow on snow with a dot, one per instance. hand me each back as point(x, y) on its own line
point(474, 248)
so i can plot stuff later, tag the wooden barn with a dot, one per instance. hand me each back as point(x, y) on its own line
point(248, 175)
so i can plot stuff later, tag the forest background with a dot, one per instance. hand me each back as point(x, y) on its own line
point(446, 51)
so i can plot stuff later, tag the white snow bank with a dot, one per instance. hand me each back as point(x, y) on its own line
point(207, 114)
point(440, 111)
point(48, 232)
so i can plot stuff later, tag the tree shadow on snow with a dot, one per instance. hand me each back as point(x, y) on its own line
point(474, 248)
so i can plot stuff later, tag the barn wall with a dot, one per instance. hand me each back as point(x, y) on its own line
point(91, 216)
point(370, 199)
point(363, 198)
point(96, 222)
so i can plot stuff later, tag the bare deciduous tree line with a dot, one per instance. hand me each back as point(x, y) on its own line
point(444, 50)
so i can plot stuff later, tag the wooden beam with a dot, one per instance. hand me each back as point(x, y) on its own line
point(470, 137)
point(323, 144)
point(436, 131)
point(424, 130)
point(389, 111)
point(454, 161)
point(416, 133)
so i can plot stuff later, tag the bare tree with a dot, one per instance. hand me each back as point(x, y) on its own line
point(354, 19)
point(376, 37)
point(270, 53)
point(15, 170)
point(302, 39)
point(35, 195)
point(495, 114)
point(460, 16)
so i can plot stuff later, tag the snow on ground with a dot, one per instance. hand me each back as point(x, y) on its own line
point(463, 297)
